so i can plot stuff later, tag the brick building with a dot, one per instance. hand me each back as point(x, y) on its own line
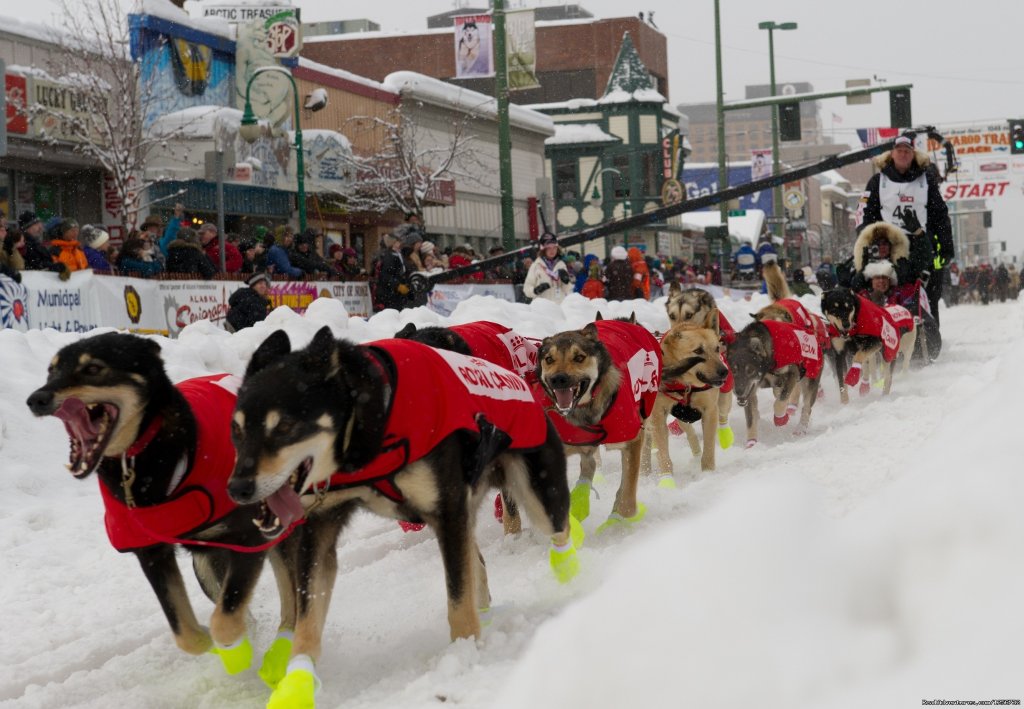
point(574, 57)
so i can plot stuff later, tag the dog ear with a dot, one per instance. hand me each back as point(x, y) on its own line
point(271, 349)
point(674, 289)
point(324, 349)
point(369, 415)
point(406, 332)
point(590, 329)
point(632, 317)
point(598, 316)
point(711, 321)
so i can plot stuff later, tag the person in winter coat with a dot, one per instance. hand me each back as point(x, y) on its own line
point(548, 277)
point(799, 286)
point(641, 274)
point(11, 261)
point(249, 305)
point(393, 289)
point(66, 248)
point(882, 241)
point(278, 261)
point(905, 193)
point(619, 276)
point(163, 235)
point(746, 262)
point(95, 243)
point(133, 261)
point(185, 255)
point(882, 280)
point(303, 255)
point(954, 284)
point(594, 285)
point(584, 275)
point(211, 247)
point(37, 256)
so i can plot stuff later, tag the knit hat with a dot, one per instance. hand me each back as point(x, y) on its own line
point(408, 234)
point(619, 253)
point(333, 249)
point(881, 268)
point(51, 227)
point(427, 247)
point(66, 225)
point(256, 278)
point(93, 236)
point(152, 220)
point(548, 238)
point(27, 219)
point(246, 244)
point(347, 252)
point(259, 231)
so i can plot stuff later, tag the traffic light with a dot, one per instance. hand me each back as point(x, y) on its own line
point(789, 120)
point(1017, 136)
point(899, 108)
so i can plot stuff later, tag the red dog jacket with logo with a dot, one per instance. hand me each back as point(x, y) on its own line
point(501, 346)
point(636, 354)
point(202, 495)
point(810, 321)
point(793, 344)
point(435, 393)
point(888, 324)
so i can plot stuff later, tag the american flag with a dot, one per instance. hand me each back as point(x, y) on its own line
point(874, 136)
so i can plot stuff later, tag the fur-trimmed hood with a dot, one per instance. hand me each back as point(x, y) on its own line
point(899, 243)
point(885, 160)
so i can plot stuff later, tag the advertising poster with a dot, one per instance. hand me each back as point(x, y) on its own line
point(473, 56)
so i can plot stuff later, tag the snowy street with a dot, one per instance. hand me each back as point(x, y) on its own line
point(874, 562)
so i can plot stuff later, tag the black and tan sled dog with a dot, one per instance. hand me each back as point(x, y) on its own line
point(405, 431)
point(692, 375)
point(163, 456)
point(498, 345)
point(599, 385)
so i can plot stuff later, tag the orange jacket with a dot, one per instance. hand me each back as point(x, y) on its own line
point(71, 255)
point(636, 260)
point(592, 288)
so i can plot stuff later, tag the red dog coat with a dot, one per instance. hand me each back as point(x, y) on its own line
point(793, 344)
point(888, 324)
point(501, 346)
point(636, 354)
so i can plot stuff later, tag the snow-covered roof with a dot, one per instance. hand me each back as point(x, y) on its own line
point(745, 228)
point(569, 133)
point(166, 10)
point(440, 93)
point(573, 104)
point(196, 121)
point(347, 75)
point(641, 95)
point(30, 30)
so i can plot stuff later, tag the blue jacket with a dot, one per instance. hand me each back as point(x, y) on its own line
point(745, 259)
point(582, 276)
point(278, 262)
point(170, 234)
point(145, 269)
point(97, 261)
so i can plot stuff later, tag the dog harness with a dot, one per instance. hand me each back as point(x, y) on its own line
point(793, 344)
point(888, 324)
point(636, 354)
point(434, 394)
point(726, 331)
point(201, 497)
point(810, 322)
point(501, 346)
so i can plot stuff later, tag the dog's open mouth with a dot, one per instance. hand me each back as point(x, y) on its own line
point(567, 398)
point(284, 506)
point(89, 427)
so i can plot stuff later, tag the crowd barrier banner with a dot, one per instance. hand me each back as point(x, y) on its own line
point(446, 296)
point(13, 305)
point(86, 301)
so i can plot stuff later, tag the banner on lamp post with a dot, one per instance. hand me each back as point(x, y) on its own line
point(521, 41)
point(473, 56)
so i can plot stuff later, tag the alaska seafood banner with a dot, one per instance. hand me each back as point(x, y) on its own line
point(86, 301)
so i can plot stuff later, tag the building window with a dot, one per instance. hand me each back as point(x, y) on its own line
point(622, 178)
point(566, 180)
point(651, 176)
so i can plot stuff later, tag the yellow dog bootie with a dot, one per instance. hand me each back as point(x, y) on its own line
point(235, 658)
point(615, 519)
point(298, 688)
point(579, 499)
point(725, 436)
point(275, 659)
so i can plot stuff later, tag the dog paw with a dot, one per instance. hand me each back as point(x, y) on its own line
point(674, 428)
point(298, 688)
point(782, 420)
point(564, 562)
point(725, 437)
point(410, 526)
point(579, 500)
point(235, 658)
point(615, 519)
point(275, 660)
point(751, 442)
point(667, 482)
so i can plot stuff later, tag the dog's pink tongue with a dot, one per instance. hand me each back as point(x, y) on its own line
point(564, 397)
point(76, 419)
point(285, 503)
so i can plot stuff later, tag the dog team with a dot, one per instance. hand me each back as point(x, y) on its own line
point(272, 466)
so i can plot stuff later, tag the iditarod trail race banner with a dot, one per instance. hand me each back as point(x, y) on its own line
point(473, 55)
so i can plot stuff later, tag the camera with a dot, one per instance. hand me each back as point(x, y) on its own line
point(873, 251)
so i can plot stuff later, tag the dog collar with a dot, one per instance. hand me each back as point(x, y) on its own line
point(146, 438)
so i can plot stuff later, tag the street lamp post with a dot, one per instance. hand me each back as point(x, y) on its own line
point(250, 132)
point(597, 200)
point(776, 162)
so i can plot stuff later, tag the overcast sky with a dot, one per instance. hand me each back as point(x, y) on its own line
point(963, 58)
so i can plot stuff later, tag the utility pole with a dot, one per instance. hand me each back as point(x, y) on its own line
point(508, 231)
point(776, 161)
point(723, 170)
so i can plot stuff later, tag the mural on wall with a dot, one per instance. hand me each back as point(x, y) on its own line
point(270, 93)
point(179, 74)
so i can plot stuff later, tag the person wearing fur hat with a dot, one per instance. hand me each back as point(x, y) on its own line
point(95, 243)
point(882, 241)
point(548, 277)
point(905, 193)
point(882, 279)
point(619, 275)
point(249, 305)
point(185, 255)
point(65, 247)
